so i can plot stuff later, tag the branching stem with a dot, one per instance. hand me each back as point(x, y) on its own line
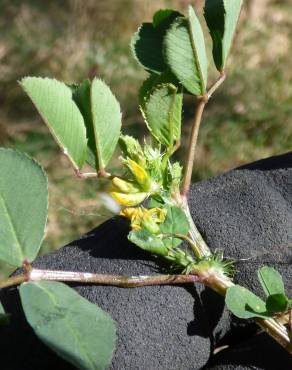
point(90, 175)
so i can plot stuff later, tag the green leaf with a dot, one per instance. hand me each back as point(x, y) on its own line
point(81, 96)
point(198, 43)
point(164, 17)
point(175, 222)
point(153, 82)
point(162, 112)
point(23, 207)
point(147, 241)
point(222, 17)
point(106, 116)
point(277, 303)
point(6, 270)
point(147, 42)
point(4, 317)
point(185, 53)
point(77, 330)
point(245, 304)
point(271, 281)
point(54, 102)
point(146, 46)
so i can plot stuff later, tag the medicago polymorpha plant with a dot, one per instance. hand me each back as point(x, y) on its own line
point(85, 120)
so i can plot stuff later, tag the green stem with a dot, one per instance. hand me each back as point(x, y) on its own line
point(202, 250)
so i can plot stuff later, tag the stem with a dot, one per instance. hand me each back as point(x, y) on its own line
point(217, 83)
point(90, 175)
point(14, 280)
point(102, 279)
point(217, 283)
point(203, 100)
point(276, 330)
point(192, 145)
point(202, 249)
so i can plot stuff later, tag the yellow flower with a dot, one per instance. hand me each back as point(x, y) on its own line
point(141, 217)
point(134, 191)
point(124, 186)
point(139, 173)
point(128, 199)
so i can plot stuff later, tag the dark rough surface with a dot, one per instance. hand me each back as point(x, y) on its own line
point(246, 212)
point(158, 327)
point(260, 352)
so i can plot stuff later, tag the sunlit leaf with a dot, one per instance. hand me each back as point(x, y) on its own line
point(77, 330)
point(23, 207)
point(106, 118)
point(222, 17)
point(54, 102)
point(162, 112)
point(185, 53)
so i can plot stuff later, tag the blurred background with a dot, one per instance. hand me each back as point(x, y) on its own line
point(249, 118)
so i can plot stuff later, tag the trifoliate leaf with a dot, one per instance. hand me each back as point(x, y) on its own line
point(245, 304)
point(222, 17)
point(54, 102)
point(23, 207)
point(77, 330)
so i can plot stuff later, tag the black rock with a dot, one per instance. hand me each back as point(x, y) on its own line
point(246, 212)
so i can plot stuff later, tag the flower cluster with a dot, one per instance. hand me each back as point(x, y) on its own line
point(143, 218)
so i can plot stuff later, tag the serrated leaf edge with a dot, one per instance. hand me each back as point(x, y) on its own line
point(75, 165)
